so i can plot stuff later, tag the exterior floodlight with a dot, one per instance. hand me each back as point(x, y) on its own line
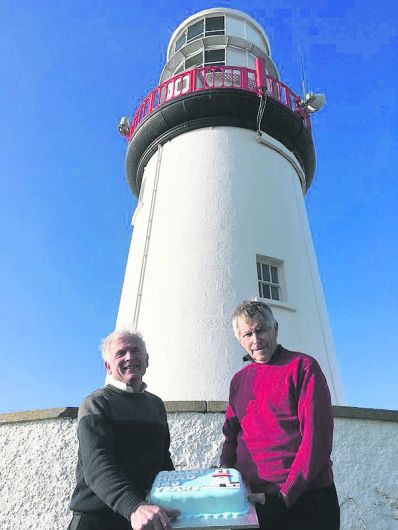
point(313, 102)
point(124, 126)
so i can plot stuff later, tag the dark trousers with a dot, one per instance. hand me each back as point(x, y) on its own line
point(86, 521)
point(315, 510)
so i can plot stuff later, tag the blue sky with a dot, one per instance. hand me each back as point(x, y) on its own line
point(71, 69)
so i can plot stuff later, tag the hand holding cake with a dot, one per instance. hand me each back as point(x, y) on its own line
point(148, 516)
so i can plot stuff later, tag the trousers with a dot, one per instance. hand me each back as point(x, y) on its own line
point(315, 510)
point(87, 521)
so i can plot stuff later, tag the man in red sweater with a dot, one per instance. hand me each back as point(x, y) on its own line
point(279, 428)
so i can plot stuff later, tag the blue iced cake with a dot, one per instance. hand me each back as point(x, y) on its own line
point(201, 492)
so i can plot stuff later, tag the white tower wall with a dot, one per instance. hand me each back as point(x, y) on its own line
point(211, 200)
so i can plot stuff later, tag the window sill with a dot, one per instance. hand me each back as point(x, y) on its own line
point(276, 303)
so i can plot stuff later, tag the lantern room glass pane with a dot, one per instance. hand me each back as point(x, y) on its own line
point(180, 42)
point(215, 26)
point(214, 56)
point(195, 30)
point(195, 60)
point(179, 69)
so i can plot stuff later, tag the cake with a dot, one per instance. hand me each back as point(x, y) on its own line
point(205, 493)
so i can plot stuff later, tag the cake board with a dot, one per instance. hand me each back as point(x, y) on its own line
point(247, 520)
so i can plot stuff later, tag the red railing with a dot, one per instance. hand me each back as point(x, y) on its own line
point(211, 77)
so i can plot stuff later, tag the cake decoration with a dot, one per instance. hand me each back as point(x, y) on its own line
point(205, 493)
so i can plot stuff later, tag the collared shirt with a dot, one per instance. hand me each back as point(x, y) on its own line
point(124, 386)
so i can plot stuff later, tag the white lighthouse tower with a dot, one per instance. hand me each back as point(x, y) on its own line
point(220, 156)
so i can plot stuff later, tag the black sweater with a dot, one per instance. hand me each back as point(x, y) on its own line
point(123, 443)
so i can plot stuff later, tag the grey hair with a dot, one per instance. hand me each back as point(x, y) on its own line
point(125, 334)
point(250, 308)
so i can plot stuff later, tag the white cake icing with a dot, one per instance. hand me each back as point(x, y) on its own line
point(201, 492)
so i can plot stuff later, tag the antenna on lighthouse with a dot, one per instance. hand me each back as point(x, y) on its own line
point(311, 102)
point(302, 74)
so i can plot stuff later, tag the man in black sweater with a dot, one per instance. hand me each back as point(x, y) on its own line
point(123, 443)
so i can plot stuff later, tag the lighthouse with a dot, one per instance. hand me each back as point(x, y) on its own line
point(220, 156)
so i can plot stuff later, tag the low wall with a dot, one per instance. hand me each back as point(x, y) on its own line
point(38, 452)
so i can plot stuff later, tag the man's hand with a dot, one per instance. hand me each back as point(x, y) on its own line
point(277, 499)
point(151, 517)
point(258, 498)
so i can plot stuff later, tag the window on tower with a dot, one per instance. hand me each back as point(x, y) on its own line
point(214, 57)
point(180, 41)
point(180, 68)
point(215, 26)
point(205, 27)
point(194, 60)
point(208, 57)
point(269, 277)
point(195, 31)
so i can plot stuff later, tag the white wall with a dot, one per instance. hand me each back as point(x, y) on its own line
point(37, 465)
point(211, 215)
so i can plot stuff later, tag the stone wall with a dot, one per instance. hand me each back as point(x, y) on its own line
point(38, 453)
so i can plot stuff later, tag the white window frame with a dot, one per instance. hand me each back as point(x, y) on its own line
point(280, 285)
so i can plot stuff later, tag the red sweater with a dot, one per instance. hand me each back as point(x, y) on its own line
point(279, 425)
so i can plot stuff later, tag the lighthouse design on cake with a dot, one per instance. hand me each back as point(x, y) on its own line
point(201, 493)
point(220, 156)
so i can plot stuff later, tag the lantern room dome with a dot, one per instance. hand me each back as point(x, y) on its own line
point(217, 36)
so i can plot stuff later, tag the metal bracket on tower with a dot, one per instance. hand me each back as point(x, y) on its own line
point(261, 109)
point(262, 92)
